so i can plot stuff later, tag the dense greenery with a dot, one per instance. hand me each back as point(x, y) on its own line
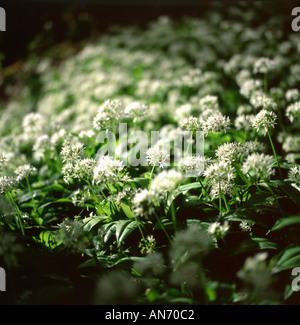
point(75, 229)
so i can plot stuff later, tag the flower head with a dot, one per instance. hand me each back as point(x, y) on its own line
point(264, 120)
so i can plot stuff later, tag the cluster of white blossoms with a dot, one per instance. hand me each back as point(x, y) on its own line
point(258, 166)
point(292, 95)
point(249, 86)
point(259, 99)
point(136, 111)
point(264, 65)
point(165, 181)
point(215, 123)
point(191, 123)
point(3, 160)
point(143, 201)
point(209, 102)
point(245, 226)
point(244, 122)
point(24, 171)
point(110, 110)
point(7, 184)
point(230, 151)
point(220, 176)
point(109, 170)
point(291, 143)
point(157, 156)
point(293, 111)
point(193, 165)
point(72, 152)
point(81, 169)
point(218, 229)
point(264, 120)
point(294, 175)
point(33, 124)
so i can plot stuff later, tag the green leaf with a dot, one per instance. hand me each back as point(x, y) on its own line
point(147, 176)
point(92, 221)
point(128, 212)
point(289, 259)
point(124, 228)
point(284, 222)
point(254, 244)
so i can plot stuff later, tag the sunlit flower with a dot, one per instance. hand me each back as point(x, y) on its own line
point(264, 120)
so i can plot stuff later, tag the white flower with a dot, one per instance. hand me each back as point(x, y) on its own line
point(156, 155)
point(293, 111)
point(294, 175)
point(166, 181)
point(260, 100)
point(231, 151)
point(108, 111)
point(264, 65)
point(136, 110)
point(108, 170)
point(259, 166)
point(191, 123)
point(72, 152)
point(264, 120)
point(249, 86)
point(142, 203)
point(292, 95)
point(209, 102)
point(245, 227)
point(291, 143)
point(193, 165)
point(215, 123)
point(24, 171)
point(3, 160)
point(7, 184)
point(216, 228)
point(244, 122)
point(221, 170)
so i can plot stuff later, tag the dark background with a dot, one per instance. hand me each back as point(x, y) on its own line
point(34, 26)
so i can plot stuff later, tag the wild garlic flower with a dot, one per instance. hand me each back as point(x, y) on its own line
point(221, 187)
point(294, 175)
point(244, 122)
point(254, 146)
point(71, 234)
point(193, 165)
point(3, 160)
point(7, 184)
point(245, 227)
point(157, 156)
point(108, 111)
point(216, 228)
point(183, 112)
point(142, 204)
point(260, 100)
point(230, 151)
point(166, 181)
point(249, 86)
point(264, 65)
point(244, 110)
point(264, 120)
point(80, 197)
point(220, 170)
point(109, 170)
point(215, 123)
point(81, 169)
point(41, 146)
point(72, 152)
point(293, 111)
point(136, 110)
point(24, 171)
point(292, 95)
point(191, 123)
point(258, 166)
point(209, 102)
point(291, 143)
point(33, 123)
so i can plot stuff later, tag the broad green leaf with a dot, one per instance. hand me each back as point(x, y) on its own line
point(92, 221)
point(124, 229)
point(254, 244)
point(284, 222)
point(128, 212)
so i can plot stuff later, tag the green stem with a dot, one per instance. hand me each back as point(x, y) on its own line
point(152, 171)
point(173, 216)
point(266, 83)
point(162, 227)
point(19, 224)
point(190, 141)
point(275, 155)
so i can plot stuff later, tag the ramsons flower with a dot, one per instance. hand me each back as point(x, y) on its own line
point(294, 175)
point(264, 65)
point(157, 156)
point(108, 170)
point(293, 111)
point(24, 171)
point(215, 123)
point(258, 166)
point(264, 120)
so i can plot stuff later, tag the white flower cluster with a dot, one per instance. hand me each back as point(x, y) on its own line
point(137, 111)
point(3, 160)
point(218, 229)
point(81, 169)
point(293, 111)
point(157, 156)
point(258, 166)
point(230, 151)
point(109, 170)
point(24, 171)
point(193, 165)
point(220, 177)
point(292, 95)
point(110, 110)
point(264, 120)
point(294, 175)
point(72, 152)
point(191, 123)
point(7, 184)
point(215, 123)
point(260, 100)
point(264, 65)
